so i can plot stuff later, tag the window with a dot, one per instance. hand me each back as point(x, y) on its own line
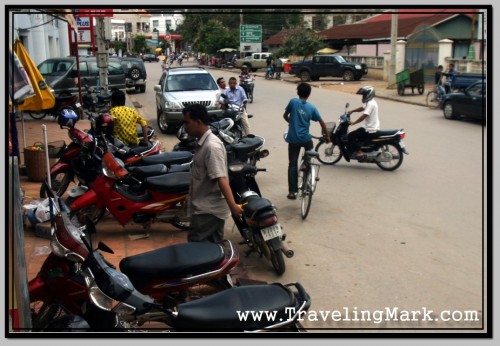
point(156, 23)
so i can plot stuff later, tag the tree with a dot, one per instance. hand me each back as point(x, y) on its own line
point(118, 45)
point(140, 44)
point(301, 41)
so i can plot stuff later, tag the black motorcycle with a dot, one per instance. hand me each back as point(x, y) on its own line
point(259, 227)
point(385, 148)
point(64, 100)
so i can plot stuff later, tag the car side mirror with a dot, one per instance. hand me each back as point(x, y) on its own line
point(157, 88)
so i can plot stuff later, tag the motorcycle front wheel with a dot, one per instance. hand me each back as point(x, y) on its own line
point(37, 115)
point(329, 153)
point(394, 156)
point(89, 212)
point(59, 182)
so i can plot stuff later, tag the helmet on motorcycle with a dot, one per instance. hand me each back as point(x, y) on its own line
point(67, 117)
point(105, 123)
point(368, 93)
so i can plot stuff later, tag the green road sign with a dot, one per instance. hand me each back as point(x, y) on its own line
point(251, 33)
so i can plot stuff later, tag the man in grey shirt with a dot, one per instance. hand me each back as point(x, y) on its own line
point(211, 197)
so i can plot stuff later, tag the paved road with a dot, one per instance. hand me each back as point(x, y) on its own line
point(409, 239)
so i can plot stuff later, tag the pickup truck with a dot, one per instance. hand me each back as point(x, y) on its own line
point(253, 62)
point(331, 65)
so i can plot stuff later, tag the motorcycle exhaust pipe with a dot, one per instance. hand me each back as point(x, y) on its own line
point(286, 251)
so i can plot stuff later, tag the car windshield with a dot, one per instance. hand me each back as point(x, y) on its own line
point(190, 82)
point(54, 67)
point(339, 59)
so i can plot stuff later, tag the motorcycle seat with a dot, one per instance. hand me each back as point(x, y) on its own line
point(141, 172)
point(140, 149)
point(65, 97)
point(219, 311)
point(257, 205)
point(172, 262)
point(177, 182)
point(168, 159)
point(246, 145)
point(384, 133)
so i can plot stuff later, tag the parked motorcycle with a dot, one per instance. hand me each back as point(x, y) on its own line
point(82, 152)
point(170, 274)
point(187, 143)
point(65, 100)
point(259, 227)
point(385, 148)
point(114, 292)
point(163, 196)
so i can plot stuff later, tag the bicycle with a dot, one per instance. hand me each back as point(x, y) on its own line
point(308, 179)
point(435, 96)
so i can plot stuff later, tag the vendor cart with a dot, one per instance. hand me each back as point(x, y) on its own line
point(415, 79)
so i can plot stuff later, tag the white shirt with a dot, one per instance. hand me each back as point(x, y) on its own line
point(372, 124)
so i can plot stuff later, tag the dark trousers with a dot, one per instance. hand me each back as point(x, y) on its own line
point(293, 158)
point(355, 137)
point(206, 228)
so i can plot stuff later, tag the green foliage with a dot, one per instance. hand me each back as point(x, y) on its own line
point(140, 45)
point(301, 42)
point(118, 45)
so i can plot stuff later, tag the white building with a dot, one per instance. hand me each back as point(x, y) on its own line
point(44, 36)
point(160, 21)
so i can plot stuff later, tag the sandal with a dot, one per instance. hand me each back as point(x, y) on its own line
point(292, 195)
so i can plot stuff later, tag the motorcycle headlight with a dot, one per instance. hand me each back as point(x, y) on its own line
point(101, 300)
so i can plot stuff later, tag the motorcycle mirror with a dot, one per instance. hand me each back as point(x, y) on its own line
point(347, 105)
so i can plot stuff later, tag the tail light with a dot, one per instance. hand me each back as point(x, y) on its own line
point(268, 221)
point(402, 135)
point(112, 167)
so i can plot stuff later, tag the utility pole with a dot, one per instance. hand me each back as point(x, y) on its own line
point(392, 65)
point(102, 54)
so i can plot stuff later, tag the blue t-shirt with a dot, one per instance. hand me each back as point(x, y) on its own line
point(301, 114)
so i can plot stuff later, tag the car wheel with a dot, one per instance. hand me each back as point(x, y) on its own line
point(348, 75)
point(135, 73)
point(449, 111)
point(162, 122)
point(305, 76)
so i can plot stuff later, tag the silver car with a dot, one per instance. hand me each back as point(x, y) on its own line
point(178, 88)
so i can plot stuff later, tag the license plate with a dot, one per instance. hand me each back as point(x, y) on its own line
point(271, 232)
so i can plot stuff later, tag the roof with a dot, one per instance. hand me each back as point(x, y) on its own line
point(379, 26)
point(277, 39)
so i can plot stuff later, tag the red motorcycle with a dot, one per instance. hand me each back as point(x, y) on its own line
point(168, 274)
point(83, 147)
point(157, 197)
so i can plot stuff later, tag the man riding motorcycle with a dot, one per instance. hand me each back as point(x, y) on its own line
point(370, 116)
point(243, 77)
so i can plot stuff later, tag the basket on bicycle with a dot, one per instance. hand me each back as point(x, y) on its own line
point(330, 126)
point(56, 148)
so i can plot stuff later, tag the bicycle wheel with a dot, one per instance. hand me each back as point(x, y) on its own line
point(432, 100)
point(300, 175)
point(307, 194)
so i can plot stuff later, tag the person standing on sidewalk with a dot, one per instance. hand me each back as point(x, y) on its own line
point(298, 114)
point(279, 67)
point(211, 197)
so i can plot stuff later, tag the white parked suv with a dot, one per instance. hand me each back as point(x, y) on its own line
point(178, 88)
